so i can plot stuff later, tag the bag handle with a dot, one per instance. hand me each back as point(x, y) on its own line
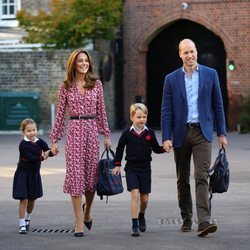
point(107, 153)
point(221, 151)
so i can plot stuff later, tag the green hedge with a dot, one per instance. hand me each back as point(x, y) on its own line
point(245, 115)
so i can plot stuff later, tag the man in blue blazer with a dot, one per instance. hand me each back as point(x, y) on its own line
point(191, 105)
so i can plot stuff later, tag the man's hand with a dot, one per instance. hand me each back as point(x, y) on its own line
point(167, 146)
point(222, 141)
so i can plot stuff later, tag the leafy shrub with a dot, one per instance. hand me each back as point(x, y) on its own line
point(245, 115)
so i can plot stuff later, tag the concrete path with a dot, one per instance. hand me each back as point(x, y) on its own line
point(52, 220)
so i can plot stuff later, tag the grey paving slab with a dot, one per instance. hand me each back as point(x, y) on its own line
point(111, 222)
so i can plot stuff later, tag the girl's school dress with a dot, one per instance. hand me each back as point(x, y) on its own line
point(27, 183)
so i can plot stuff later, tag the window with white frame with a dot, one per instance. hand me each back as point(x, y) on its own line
point(8, 10)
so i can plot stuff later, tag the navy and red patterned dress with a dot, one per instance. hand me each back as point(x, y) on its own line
point(82, 136)
point(27, 183)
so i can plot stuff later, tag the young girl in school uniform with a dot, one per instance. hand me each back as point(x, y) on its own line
point(27, 183)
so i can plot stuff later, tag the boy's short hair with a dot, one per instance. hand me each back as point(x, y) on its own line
point(136, 106)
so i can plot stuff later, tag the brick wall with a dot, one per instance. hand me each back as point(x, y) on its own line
point(32, 6)
point(43, 71)
point(143, 19)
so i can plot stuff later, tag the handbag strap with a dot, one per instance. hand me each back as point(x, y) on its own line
point(111, 152)
point(221, 151)
point(107, 153)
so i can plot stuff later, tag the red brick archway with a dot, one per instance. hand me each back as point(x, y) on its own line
point(144, 20)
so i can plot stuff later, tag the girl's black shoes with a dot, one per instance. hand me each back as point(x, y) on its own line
point(22, 230)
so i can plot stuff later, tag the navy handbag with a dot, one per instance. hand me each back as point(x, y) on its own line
point(219, 175)
point(108, 184)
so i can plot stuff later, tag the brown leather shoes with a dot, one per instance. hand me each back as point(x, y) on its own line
point(186, 226)
point(205, 228)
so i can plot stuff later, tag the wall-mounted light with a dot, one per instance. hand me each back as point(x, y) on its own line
point(184, 5)
point(231, 65)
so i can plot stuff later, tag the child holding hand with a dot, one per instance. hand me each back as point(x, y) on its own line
point(27, 183)
point(139, 141)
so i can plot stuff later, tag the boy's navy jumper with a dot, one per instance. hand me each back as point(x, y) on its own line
point(138, 148)
point(138, 157)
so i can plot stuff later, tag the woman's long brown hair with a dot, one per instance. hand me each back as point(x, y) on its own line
point(90, 76)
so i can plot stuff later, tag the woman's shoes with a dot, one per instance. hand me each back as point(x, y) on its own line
point(88, 224)
point(78, 234)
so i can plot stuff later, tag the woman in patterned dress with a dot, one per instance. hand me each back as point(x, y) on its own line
point(81, 95)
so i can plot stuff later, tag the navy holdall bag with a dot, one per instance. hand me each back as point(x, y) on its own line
point(108, 184)
point(219, 174)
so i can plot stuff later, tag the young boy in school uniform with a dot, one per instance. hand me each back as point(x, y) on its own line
point(139, 141)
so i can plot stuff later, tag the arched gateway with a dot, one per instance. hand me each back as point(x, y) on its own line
point(151, 32)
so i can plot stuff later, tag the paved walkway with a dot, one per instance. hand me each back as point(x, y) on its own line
point(52, 219)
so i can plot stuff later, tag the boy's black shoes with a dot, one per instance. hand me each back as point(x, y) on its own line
point(142, 223)
point(135, 231)
point(205, 228)
point(186, 226)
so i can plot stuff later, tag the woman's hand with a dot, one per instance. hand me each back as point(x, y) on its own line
point(107, 143)
point(54, 148)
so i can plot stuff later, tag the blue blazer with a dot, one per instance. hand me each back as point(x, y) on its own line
point(175, 109)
